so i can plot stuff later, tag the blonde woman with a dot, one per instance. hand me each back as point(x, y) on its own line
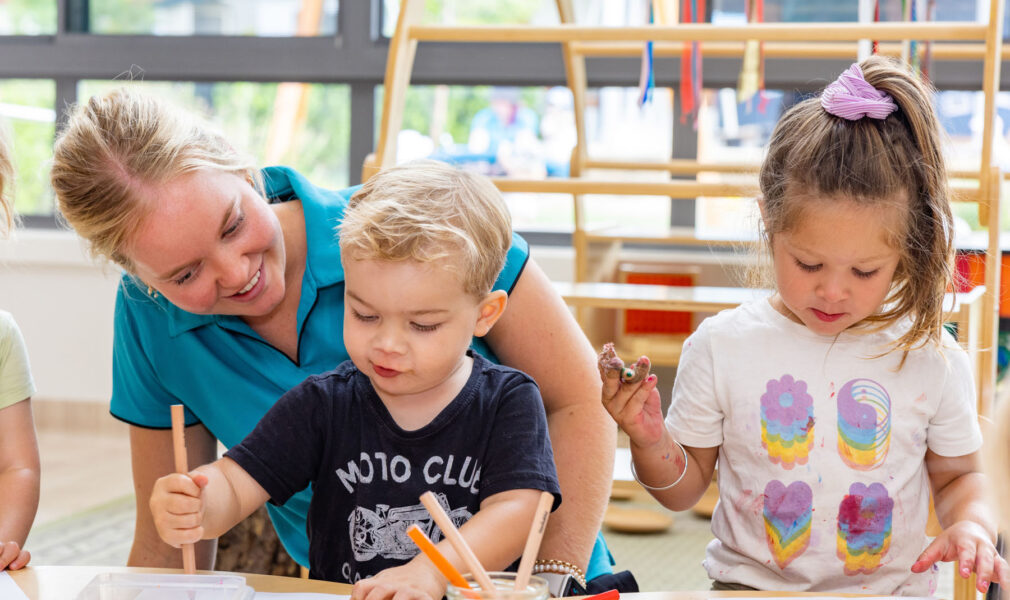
point(234, 293)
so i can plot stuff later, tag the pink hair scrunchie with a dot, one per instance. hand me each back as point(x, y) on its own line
point(851, 97)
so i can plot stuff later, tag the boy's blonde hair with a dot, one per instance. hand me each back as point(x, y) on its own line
point(429, 211)
point(116, 150)
point(874, 162)
point(7, 215)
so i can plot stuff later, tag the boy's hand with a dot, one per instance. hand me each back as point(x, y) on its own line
point(12, 556)
point(177, 507)
point(411, 581)
point(968, 543)
point(636, 408)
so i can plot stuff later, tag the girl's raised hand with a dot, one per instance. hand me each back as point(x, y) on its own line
point(968, 543)
point(636, 408)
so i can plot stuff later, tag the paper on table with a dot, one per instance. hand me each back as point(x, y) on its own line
point(298, 596)
point(10, 590)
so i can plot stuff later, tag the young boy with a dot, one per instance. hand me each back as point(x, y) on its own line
point(413, 410)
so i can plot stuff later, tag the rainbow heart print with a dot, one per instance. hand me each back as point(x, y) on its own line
point(864, 424)
point(787, 421)
point(864, 527)
point(787, 513)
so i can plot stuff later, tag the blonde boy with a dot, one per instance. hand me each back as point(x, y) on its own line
point(414, 409)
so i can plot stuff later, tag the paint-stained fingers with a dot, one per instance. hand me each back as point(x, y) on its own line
point(934, 552)
point(983, 570)
point(965, 560)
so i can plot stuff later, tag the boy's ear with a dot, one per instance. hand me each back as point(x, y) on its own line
point(492, 307)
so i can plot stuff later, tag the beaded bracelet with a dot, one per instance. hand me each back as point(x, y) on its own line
point(561, 568)
point(665, 487)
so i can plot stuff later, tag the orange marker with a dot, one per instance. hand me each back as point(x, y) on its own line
point(432, 552)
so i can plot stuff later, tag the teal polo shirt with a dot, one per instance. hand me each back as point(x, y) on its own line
point(224, 373)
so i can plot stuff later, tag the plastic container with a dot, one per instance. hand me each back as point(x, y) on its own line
point(159, 586)
point(504, 584)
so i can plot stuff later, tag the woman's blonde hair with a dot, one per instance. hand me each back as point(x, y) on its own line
point(874, 162)
point(114, 149)
point(428, 211)
point(7, 216)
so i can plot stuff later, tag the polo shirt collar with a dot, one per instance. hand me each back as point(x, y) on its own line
point(323, 210)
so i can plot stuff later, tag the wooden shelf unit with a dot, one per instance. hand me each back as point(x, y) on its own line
point(968, 41)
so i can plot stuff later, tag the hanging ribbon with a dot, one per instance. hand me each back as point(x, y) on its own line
point(647, 78)
point(751, 80)
point(913, 46)
point(927, 59)
point(876, 19)
point(690, 66)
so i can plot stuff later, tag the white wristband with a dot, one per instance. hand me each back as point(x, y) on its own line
point(665, 487)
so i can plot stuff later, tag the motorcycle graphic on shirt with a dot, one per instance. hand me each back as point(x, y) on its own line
point(383, 532)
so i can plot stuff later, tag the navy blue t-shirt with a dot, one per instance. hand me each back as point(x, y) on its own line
point(367, 473)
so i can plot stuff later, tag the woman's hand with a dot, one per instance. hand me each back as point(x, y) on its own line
point(636, 409)
point(971, 546)
point(411, 581)
point(12, 556)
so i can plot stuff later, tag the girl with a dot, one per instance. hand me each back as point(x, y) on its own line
point(19, 450)
point(835, 406)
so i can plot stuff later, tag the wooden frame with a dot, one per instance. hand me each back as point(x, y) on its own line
point(975, 312)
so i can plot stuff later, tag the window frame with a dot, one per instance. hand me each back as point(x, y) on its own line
point(356, 55)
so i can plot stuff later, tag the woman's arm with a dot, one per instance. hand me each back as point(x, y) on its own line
point(152, 457)
point(538, 335)
point(19, 480)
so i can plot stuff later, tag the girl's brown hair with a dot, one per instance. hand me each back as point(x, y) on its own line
point(114, 152)
point(874, 162)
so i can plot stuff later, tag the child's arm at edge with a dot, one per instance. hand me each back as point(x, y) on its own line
point(496, 534)
point(969, 527)
point(205, 503)
point(19, 480)
point(657, 457)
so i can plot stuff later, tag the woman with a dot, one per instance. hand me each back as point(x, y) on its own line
point(229, 300)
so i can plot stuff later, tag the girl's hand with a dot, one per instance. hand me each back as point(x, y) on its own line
point(177, 507)
point(968, 543)
point(636, 408)
point(12, 556)
point(411, 581)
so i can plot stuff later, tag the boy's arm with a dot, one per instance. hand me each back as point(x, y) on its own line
point(496, 534)
point(152, 457)
point(19, 480)
point(969, 533)
point(205, 503)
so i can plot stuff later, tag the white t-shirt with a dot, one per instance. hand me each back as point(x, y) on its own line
point(822, 476)
point(15, 377)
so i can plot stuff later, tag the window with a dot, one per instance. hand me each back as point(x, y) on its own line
point(28, 17)
point(296, 124)
point(26, 111)
point(265, 18)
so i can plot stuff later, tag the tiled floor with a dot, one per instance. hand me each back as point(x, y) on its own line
point(87, 510)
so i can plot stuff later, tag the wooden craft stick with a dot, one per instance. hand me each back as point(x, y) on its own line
point(432, 552)
point(182, 466)
point(458, 543)
point(533, 540)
